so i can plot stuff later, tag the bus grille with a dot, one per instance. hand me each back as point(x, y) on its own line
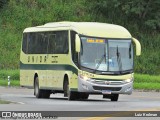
point(107, 88)
point(102, 82)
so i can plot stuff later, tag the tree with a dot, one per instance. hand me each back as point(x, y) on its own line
point(3, 2)
point(145, 13)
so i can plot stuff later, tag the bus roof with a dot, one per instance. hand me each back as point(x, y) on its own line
point(85, 28)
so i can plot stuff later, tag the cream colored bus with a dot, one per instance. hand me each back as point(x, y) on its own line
point(78, 59)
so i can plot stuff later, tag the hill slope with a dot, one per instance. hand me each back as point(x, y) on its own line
point(18, 14)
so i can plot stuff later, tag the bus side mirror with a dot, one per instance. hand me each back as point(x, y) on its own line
point(77, 43)
point(138, 46)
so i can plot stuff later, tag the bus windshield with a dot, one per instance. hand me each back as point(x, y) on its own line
point(106, 55)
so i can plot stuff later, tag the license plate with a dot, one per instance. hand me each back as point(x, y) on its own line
point(106, 91)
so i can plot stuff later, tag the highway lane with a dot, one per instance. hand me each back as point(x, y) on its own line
point(24, 100)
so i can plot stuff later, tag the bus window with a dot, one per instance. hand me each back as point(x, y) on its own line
point(58, 42)
point(24, 44)
point(74, 54)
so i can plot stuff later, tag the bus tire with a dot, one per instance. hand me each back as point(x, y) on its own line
point(45, 93)
point(84, 96)
point(38, 92)
point(114, 97)
point(70, 94)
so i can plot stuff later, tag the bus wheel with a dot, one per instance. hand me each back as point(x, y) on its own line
point(45, 93)
point(38, 92)
point(114, 97)
point(84, 96)
point(70, 94)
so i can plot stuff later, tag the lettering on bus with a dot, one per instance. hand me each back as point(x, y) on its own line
point(28, 58)
point(40, 59)
point(91, 40)
point(32, 58)
point(45, 58)
point(54, 59)
point(37, 59)
point(86, 74)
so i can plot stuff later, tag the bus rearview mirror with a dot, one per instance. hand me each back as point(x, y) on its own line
point(77, 43)
point(138, 46)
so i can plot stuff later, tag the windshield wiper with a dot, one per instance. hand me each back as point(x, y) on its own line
point(130, 56)
point(103, 56)
point(119, 60)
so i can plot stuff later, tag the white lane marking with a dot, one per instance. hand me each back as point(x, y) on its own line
point(22, 103)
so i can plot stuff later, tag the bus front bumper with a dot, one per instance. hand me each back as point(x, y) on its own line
point(104, 87)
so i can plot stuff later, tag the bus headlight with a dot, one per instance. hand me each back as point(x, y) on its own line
point(129, 80)
point(83, 77)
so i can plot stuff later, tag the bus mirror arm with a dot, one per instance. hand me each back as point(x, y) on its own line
point(138, 46)
point(77, 43)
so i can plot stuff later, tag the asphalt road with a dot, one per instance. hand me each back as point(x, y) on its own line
point(23, 100)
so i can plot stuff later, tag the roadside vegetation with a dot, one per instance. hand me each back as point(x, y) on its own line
point(147, 82)
point(14, 77)
point(4, 102)
point(140, 17)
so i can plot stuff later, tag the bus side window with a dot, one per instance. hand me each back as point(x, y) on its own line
point(37, 43)
point(24, 43)
point(62, 42)
point(65, 43)
point(31, 43)
point(45, 43)
point(40, 37)
point(74, 53)
point(58, 42)
point(51, 44)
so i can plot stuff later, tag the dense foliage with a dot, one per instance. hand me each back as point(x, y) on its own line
point(144, 13)
point(3, 2)
point(140, 17)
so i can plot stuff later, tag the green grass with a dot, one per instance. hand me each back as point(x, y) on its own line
point(147, 86)
point(14, 77)
point(147, 82)
point(12, 83)
point(147, 78)
point(4, 102)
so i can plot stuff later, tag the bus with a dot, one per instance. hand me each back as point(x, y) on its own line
point(78, 59)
